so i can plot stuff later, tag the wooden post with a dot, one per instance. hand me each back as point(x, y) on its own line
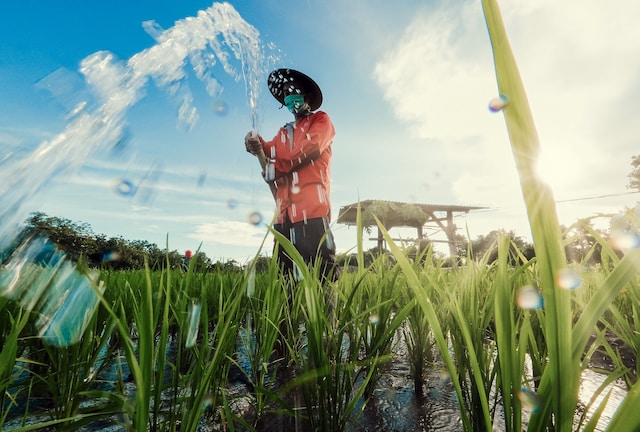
point(451, 232)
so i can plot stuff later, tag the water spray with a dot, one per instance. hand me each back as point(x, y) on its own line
point(216, 36)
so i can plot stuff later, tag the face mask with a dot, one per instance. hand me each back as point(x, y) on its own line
point(294, 102)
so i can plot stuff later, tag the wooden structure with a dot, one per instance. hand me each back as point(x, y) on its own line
point(410, 215)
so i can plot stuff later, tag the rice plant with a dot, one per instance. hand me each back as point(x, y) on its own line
point(331, 378)
point(560, 376)
point(179, 332)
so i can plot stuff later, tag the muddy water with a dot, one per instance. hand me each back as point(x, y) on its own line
point(394, 405)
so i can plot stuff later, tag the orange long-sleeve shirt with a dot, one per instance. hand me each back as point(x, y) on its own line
point(302, 154)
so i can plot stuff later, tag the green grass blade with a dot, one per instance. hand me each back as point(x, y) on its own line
point(626, 270)
point(510, 366)
point(545, 229)
point(626, 417)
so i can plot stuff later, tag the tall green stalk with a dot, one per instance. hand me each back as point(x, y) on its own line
point(560, 379)
point(332, 379)
point(512, 338)
point(560, 373)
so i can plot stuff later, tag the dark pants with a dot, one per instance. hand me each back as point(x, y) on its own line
point(314, 241)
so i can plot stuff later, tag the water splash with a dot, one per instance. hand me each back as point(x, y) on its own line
point(40, 278)
point(530, 400)
point(216, 36)
point(194, 320)
point(251, 280)
point(52, 286)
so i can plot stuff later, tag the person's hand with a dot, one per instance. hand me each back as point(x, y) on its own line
point(252, 144)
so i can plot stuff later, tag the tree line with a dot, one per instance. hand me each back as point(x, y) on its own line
point(80, 244)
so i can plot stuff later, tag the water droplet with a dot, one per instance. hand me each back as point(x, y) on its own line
point(207, 401)
point(270, 172)
point(122, 142)
point(125, 188)
point(251, 281)
point(202, 178)
point(194, 320)
point(145, 191)
point(568, 279)
point(624, 239)
point(297, 274)
point(111, 256)
point(374, 319)
point(232, 203)
point(530, 400)
point(528, 297)
point(39, 277)
point(330, 243)
point(498, 103)
point(444, 375)
point(255, 218)
point(220, 107)
point(295, 189)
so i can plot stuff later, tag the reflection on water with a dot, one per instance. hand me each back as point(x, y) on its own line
point(591, 381)
point(393, 406)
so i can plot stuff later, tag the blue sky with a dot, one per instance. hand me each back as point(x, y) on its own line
point(406, 84)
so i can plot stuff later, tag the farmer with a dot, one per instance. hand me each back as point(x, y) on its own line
point(299, 159)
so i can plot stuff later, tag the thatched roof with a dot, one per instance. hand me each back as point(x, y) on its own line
point(398, 214)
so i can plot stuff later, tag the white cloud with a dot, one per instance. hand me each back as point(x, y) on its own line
point(230, 233)
point(579, 63)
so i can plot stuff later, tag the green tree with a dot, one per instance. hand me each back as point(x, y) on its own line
point(581, 246)
point(634, 175)
point(484, 244)
point(75, 239)
point(78, 241)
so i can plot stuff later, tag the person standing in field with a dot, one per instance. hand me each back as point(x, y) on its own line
point(299, 159)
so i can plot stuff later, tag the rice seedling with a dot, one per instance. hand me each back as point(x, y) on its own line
point(379, 303)
point(210, 371)
point(331, 377)
point(177, 388)
point(73, 372)
point(416, 331)
point(471, 314)
point(424, 301)
point(12, 326)
point(265, 305)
